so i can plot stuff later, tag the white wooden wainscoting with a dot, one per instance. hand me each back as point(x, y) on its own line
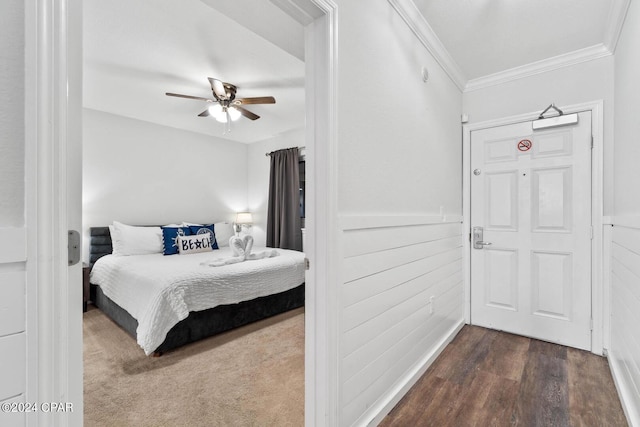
point(624, 351)
point(13, 368)
point(401, 303)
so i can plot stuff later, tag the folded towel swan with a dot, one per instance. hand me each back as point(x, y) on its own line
point(241, 249)
point(241, 246)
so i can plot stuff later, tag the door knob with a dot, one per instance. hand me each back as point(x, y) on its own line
point(478, 243)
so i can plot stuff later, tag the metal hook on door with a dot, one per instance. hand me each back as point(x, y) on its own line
point(553, 121)
point(552, 106)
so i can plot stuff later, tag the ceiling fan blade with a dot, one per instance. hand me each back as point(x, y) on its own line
point(205, 113)
point(178, 95)
point(218, 89)
point(248, 114)
point(256, 100)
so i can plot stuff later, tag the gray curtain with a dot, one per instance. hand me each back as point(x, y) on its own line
point(283, 216)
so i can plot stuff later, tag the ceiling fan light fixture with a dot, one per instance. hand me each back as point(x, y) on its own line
point(216, 112)
point(234, 113)
point(225, 107)
point(220, 113)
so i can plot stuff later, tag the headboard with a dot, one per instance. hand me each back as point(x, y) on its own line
point(99, 243)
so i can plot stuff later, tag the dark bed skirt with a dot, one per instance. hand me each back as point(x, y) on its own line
point(205, 323)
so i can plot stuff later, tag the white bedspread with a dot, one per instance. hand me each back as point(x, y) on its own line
point(159, 291)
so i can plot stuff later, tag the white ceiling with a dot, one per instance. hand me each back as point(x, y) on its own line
point(135, 51)
point(490, 36)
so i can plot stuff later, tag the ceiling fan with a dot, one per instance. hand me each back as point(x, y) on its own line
point(226, 107)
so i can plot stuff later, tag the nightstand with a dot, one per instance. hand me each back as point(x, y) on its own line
point(85, 286)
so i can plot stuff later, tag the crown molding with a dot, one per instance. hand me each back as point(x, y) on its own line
point(409, 12)
point(538, 67)
point(303, 12)
point(617, 15)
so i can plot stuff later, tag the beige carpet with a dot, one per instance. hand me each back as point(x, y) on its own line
point(251, 376)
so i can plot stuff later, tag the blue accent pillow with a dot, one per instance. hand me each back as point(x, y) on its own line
point(201, 229)
point(170, 238)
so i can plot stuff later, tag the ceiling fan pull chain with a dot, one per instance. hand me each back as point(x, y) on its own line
point(227, 124)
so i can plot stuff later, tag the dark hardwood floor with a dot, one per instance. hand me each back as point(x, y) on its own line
point(491, 378)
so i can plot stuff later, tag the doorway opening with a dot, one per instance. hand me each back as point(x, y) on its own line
point(57, 129)
point(309, 156)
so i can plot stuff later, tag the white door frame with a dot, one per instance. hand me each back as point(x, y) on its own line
point(53, 132)
point(599, 306)
point(53, 66)
point(321, 354)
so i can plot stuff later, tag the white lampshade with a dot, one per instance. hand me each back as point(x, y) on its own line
point(220, 115)
point(234, 113)
point(216, 110)
point(244, 218)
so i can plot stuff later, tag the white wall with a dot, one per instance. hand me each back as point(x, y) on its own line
point(13, 361)
point(400, 145)
point(143, 173)
point(627, 106)
point(258, 166)
point(624, 354)
point(399, 165)
point(12, 113)
point(585, 82)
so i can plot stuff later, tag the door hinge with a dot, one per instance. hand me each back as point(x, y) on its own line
point(307, 264)
point(592, 142)
point(591, 232)
point(591, 324)
point(469, 236)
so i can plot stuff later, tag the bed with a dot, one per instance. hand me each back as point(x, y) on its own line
point(165, 302)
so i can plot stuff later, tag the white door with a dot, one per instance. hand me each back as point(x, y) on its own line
point(531, 194)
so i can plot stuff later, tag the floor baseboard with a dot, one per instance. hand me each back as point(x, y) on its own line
point(377, 412)
point(628, 397)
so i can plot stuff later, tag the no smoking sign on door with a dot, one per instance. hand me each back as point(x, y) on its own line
point(524, 145)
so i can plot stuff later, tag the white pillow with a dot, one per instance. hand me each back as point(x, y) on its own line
point(130, 240)
point(224, 231)
point(194, 244)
